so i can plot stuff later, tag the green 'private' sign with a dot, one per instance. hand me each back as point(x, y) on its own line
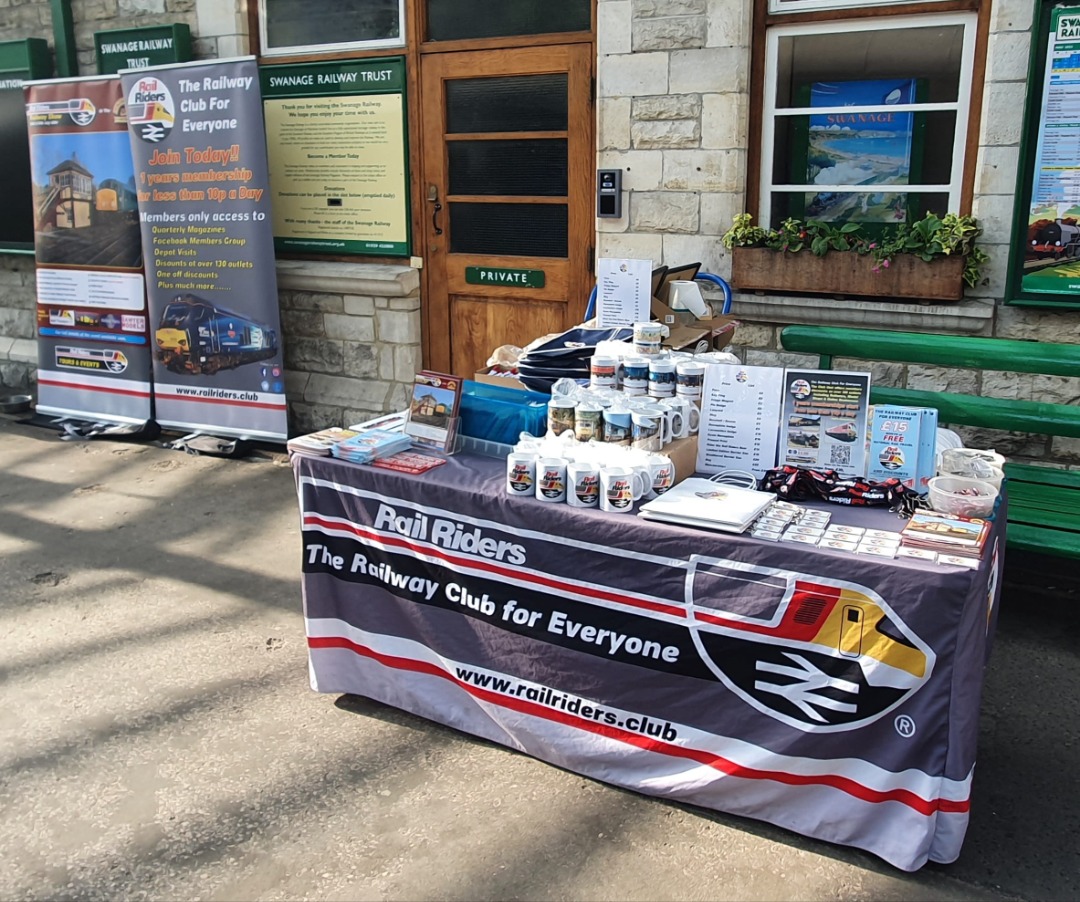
point(139, 48)
point(489, 275)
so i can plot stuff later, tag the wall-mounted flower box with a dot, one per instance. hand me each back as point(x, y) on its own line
point(847, 273)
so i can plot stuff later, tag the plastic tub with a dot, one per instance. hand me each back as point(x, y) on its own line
point(962, 497)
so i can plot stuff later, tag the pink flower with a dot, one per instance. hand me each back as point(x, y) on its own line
point(873, 244)
point(885, 263)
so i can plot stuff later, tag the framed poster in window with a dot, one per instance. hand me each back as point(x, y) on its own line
point(1044, 267)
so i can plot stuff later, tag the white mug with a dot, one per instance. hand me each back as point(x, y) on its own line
point(520, 474)
point(551, 479)
point(662, 471)
point(617, 426)
point(635, 376)
point(689, 378)
point(560, 414)
point(603, 371)
point(648, 430)
point(582, 484)
point(662, 378)
point(690, 416)
point(588, 422)
point(620, 487)
point(647, 337)
point(674, 421)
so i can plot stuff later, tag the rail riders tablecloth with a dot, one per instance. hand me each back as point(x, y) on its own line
point(832, 695)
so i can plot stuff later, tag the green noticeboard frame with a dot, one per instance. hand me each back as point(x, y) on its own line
point(1044, 31)
point(20, 61)
point(318, 126)
point(140, 48)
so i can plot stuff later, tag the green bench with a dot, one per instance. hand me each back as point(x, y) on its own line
point(1044, 501)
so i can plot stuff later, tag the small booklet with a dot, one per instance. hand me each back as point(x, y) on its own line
point(319, 444)
point(409, 462)
point(433, 410)
point(709, 505)
point(367, 446)
point(945, 533)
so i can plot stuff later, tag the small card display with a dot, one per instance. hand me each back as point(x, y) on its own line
point(433, 410)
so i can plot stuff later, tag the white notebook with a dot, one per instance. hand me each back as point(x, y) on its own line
point(709, 505)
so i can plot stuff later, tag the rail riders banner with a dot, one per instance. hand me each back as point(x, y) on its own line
point(197, 138)
point(93, 349)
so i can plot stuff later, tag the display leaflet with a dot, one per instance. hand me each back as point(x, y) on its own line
point(824, 424)
point(623, 292)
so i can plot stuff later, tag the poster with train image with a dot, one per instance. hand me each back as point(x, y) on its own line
point(91, 319)
point(197, 139)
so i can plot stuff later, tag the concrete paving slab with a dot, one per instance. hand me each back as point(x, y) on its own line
point(159, 740)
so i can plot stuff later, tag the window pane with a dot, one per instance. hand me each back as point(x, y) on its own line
point(523, 230)
point(521, 103)
point(450, 20)
point(298, 23)
point(532, 168)
point(930, 55)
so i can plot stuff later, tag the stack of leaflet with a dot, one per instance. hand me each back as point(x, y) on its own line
point(951, 537)
point(319, 444)
point(708, 505)
point(564, 356)
point(372, 444)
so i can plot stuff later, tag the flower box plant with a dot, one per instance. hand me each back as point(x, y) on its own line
point(931, 258)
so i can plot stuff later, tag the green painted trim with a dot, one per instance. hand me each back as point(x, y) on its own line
point(28, 58)
point(67, 61)
point(337, 246)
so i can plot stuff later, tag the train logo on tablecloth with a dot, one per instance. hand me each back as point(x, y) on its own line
point(823, 656)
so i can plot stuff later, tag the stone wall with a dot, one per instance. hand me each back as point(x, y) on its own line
point(352, 340)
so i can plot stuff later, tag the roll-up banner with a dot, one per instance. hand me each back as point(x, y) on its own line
point(199, 147)
point(93, 348)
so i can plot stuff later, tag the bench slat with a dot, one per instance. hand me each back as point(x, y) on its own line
point(1042, 475)
point(988, 413)
point(1038, 539)
point(943, 350)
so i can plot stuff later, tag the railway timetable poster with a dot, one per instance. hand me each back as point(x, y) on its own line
point(1051, 258)
point(93, 347)
point(197, 139)
point(335, 135)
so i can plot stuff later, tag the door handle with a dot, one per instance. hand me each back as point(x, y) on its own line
point(433, 197)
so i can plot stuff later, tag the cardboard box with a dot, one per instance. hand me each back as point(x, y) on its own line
point(683, 453)
point(687, 330)
point(504, 381)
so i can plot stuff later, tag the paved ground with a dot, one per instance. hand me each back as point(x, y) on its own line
point(158, 738)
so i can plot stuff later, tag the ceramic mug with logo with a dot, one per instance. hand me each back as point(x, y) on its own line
point(673, 420)
point(582, 484)
point(603, 371)
point(662, 472)
point(588, 421)
point(647, 338)
point(551, 479)
point(620, 487)
point(520, 474)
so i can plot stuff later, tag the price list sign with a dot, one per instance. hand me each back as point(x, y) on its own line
point(740, 415)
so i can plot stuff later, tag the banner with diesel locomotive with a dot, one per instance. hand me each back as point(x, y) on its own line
point(198, 143)
point(93, 347)
point(714, 669)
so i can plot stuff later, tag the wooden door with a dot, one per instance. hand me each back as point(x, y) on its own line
point(508, 155)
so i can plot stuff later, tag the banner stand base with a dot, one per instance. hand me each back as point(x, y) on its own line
point(214, 445)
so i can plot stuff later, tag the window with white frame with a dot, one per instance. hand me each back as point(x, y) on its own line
point(865, 120)
point(303, 26)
